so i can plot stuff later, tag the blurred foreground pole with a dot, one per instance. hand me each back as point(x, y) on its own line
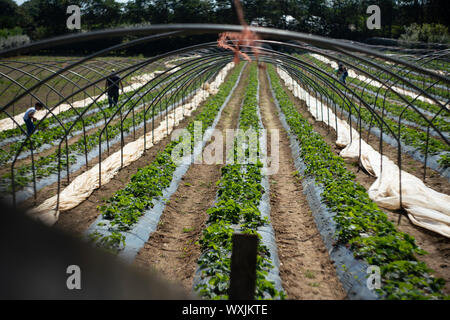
point(38, 262)
point(243, 267)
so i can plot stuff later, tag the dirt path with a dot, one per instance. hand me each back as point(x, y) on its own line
point(78, 219)
point(305, 268)
point(172, 248)
point(437, 246)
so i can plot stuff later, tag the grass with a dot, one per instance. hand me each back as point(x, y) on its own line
point(309, 274)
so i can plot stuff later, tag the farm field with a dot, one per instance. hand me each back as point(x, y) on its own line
point(27, 71)
point(314, 194)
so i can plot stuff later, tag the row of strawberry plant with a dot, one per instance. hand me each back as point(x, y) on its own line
point(430, 107)
point(392, 111)
point(127, 205)
point(361, 225)
point(409, 136)
point(393, 104)
point(437, 64)
point(427, 83)
point(439, 92)
point(236, 209)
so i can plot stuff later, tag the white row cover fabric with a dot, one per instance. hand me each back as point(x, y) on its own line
point(353, 74)
point(426, 207)
point(183, 58)
point(138, 82)
point(83, 185)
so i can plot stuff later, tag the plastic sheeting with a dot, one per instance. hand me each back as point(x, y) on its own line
point(184, 58)
point(266, 231)
point(353, 74)
point(425, 207)
point(83, 185)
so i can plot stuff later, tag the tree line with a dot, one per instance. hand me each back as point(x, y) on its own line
point(39, 19)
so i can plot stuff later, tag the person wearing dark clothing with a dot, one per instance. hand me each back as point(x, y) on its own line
point(29, 118)
point(342, 72)
point(112, 86)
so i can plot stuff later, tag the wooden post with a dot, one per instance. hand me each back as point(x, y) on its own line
point(243, 267)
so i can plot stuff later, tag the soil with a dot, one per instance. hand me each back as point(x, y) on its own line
point(172, 248)
point(305, 267)
point(437, 246)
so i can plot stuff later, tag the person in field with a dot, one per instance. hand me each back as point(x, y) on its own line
point(29, 118)
point(112, 86)
point(342, 72)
